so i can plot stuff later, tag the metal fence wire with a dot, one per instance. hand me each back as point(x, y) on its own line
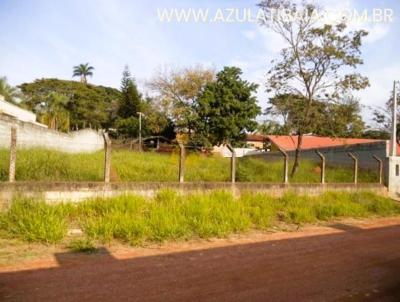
point(354, 158)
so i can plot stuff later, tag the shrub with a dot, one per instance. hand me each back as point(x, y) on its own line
point(82, 246)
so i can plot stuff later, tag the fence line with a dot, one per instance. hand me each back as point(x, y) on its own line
point(355, 167)
point(107, 157)
point(13, 154)
point(323, 162)
point(182, 157)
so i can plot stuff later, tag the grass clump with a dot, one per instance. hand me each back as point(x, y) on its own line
point(84, 245)
point(296, 209)
point(117, 218)
point(215, 214)
point(35, 221)
point(171, 216)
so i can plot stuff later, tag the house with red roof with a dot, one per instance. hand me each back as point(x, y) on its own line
point(289, 142)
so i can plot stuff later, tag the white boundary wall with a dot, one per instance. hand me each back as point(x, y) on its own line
point(30, 135)
point(240, 152)
point(15, 111)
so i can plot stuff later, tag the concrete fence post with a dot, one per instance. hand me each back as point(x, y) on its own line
point(182, 155)
point(323, 161)
point(13, 154)
point(380, 168)
point(285, 165)
point(107, 157)
point(233, 162)
point(355, 167)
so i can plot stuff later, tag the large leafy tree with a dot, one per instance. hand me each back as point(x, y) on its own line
point(87, 105)
point(9, 92)
point(318, 60)
point(156, 120)
point(342, 119)
point(338, 119)
point(177, 91)
point(226, 108)
point(83, 71)
point(127, 127)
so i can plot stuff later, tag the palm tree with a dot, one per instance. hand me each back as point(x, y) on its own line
point(83, 70)
point(8, 92)
point(53, 112)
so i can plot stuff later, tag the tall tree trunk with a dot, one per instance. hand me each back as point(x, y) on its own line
point(296, 163)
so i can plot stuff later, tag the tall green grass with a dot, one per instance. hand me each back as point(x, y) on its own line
point(258, 170)
point(170, 216)
point(150, 166)
point(35, 221)
point(46, 165)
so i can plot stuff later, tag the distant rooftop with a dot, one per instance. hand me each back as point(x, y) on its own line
point(289, 142)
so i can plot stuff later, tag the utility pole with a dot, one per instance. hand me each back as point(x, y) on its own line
point(393, 175)
point(394, 121)
point(140, 130)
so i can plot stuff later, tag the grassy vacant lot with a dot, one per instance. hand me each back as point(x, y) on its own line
point(169, 216)
point(42, 165)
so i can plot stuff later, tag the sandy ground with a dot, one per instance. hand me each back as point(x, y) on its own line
point(346, 261)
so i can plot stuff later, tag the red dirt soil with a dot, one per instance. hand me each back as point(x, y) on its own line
point(343, 262)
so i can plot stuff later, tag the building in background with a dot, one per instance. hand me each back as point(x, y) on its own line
point(18, 113)
point(289, 142)
point(256, 141)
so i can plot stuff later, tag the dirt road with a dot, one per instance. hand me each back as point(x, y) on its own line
point(339, 263)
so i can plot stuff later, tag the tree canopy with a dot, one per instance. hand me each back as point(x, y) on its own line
point(339, 119)
point(130, 97)
point(88, 105)
point(226, 108)
point(53, 113)
point(318, 61)
point(177, 91)
point(9, 92)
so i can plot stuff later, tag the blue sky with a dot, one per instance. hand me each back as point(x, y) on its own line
point(46, 38)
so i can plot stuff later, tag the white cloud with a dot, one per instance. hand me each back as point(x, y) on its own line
point(381, 83)
point(376, 32)
point(250, 34)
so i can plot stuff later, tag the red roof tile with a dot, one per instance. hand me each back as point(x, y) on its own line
point(289, 142)
point(255, 137)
